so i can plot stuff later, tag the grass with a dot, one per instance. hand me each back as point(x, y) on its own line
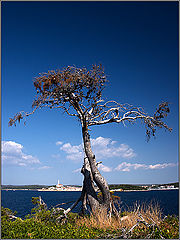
point(145, 221)
point(140, 215)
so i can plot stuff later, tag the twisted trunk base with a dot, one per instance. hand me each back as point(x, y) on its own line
point(89, 197)
point(91, 176)
point(89, 194)
point(91, 166)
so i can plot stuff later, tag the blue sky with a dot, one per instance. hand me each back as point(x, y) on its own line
point(136, 42)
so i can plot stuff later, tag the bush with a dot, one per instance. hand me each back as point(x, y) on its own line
point(32, 229)
point(170, 227)
point(42, 224)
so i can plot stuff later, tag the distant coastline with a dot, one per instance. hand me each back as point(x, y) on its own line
point(77, 188)
point(115, 190)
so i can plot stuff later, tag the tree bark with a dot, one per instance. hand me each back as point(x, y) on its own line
point(96, 175)
point(88, 191)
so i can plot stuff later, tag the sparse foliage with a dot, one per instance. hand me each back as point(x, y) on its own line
point(79, 93)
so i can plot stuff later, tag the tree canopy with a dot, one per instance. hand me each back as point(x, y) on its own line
point(78, 92)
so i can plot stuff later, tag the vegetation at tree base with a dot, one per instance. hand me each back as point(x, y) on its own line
point(42, 223)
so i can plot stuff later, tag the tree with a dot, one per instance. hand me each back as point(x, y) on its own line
point(78, 92)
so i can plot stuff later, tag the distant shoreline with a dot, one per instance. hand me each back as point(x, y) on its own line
point(114, 190)
point(149, 190)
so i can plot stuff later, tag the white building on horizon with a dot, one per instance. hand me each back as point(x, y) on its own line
point(58, 185)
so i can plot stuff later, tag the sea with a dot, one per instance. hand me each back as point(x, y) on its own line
point(20, 200)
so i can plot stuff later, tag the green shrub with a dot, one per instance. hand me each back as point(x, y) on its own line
point(33, 229)
point(30, 228)
point(168, 229)
point(42, 224)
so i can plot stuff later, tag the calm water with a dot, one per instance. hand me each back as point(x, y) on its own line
point(20, 200)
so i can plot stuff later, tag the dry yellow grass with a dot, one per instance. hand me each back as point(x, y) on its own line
point(150, 214)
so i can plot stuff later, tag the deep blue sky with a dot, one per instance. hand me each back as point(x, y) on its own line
point(137, 43)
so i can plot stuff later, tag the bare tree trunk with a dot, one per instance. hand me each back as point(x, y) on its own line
point(97, 177)
point(88, 187)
